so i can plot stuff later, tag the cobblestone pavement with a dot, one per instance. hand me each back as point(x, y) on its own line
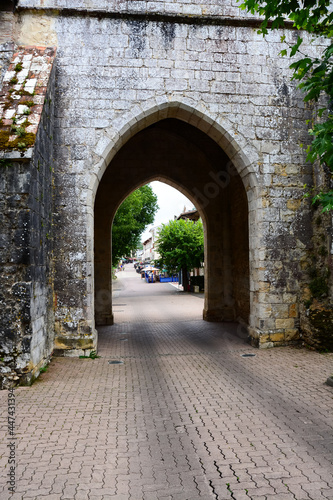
point(184, 416)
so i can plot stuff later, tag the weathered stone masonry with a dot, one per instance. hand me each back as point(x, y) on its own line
point(26, 289)
point(130, 77)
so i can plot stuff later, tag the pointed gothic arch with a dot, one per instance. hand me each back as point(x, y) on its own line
point(212, 193)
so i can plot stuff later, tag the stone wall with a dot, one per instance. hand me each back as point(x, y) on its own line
point(42, 234)
point(15, 294)
point(122, 66)
point(6, 53)
point(26, 290)
point(7, 36)
point(239, 243)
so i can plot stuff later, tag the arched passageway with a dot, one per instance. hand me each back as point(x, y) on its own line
point(186, 158)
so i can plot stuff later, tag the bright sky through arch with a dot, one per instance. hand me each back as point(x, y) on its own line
point(171, 203)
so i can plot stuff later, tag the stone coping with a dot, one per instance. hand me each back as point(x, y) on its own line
point(22, 99)
point(200, 16)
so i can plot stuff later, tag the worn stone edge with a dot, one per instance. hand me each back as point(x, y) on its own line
point(154, 17)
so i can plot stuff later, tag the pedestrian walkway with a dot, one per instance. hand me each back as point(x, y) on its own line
point(174, 409)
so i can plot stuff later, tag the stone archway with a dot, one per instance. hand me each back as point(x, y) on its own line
point(179, 153)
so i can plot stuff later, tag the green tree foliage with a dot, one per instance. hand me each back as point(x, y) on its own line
point(181, 246)
point(315, 74)
point(130, 221)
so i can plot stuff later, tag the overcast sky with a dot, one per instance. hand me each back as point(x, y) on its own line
point(171, 203)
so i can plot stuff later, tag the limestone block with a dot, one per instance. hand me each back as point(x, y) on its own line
point(278, 310)
point(268, 324)
point(293, 310)
point(285, 323)
point(294, 204)
point(289, 298)
point(277, 337)
point(266, 345)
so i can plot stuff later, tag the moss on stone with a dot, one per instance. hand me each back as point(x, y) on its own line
point(18, 67)
point(4, 137)
point(323, 251)
point(26, 93)
point(8, 103)
point(5, 163)
point(319, 286)
point(23, 142)
point(321, 320)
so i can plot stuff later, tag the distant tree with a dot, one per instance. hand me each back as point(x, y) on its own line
point(130, 221)
point(314, 73)
point(181, 247)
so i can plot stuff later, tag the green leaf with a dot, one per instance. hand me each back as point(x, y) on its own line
point(181, 245)
point(132, 217)
point(296, 46)
point(314, 74)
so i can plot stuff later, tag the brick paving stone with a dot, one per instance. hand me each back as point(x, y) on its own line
point(82, 494)
point(282, 496)
point(184, 416)
point(49, 497)
point(300, 493)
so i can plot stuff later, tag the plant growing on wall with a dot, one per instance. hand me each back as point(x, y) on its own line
point(181, 246)
point(315, 74)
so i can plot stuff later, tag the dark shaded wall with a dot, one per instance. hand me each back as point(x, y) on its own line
point(26, 298)
point(316, 308)
point(239, 242)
